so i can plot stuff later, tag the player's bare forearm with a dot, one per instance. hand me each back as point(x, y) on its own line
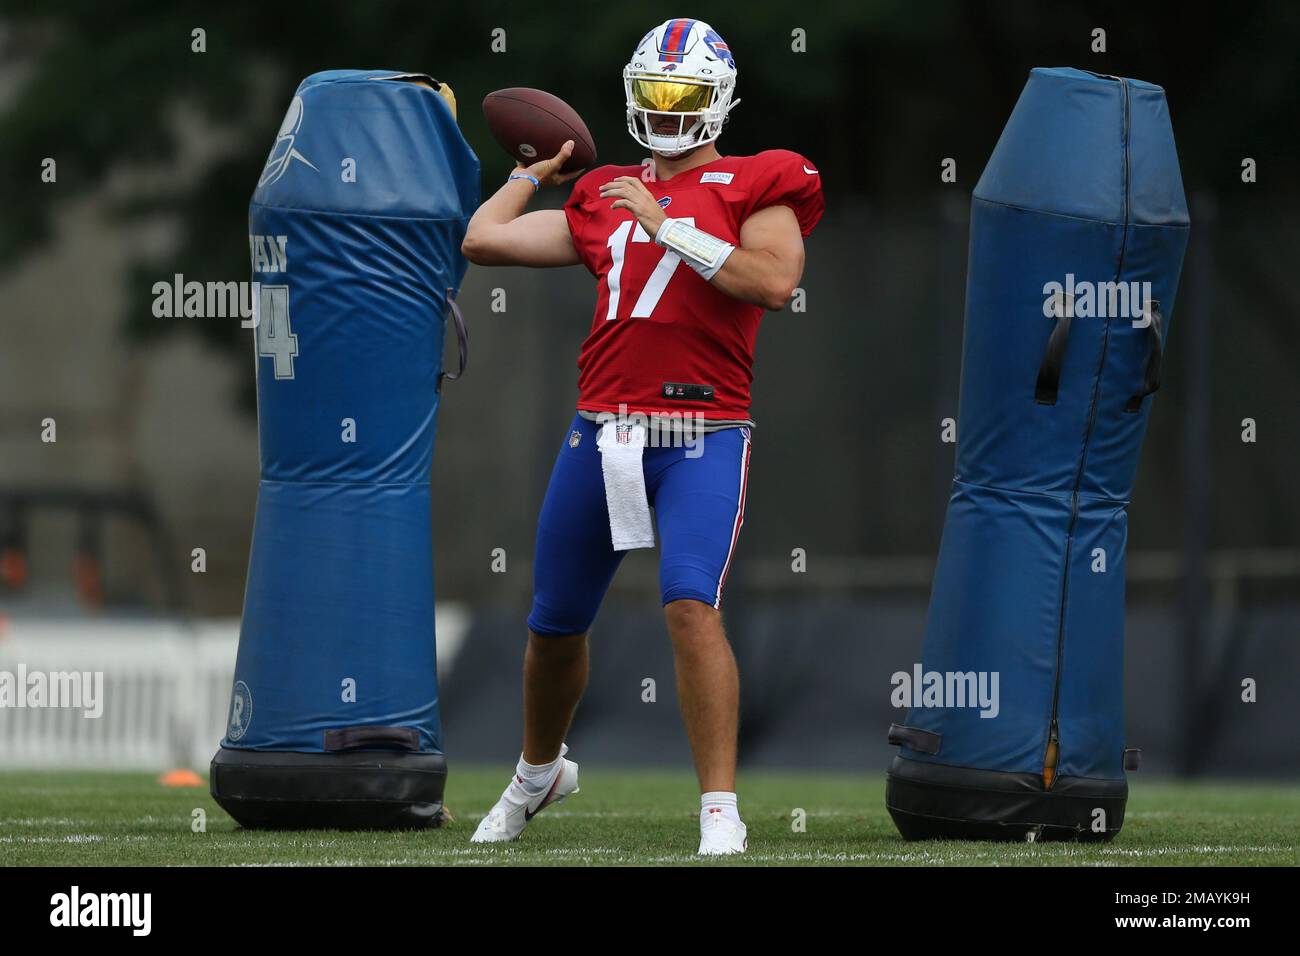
point(760, 277)
point(540, 238)
point(768, 264)
point(504, 206)
point(503, 233)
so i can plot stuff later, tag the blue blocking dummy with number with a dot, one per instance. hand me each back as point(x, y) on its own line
point(354, 230)
point(1078, 226)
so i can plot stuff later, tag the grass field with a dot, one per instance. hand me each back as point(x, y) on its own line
point(622, 818)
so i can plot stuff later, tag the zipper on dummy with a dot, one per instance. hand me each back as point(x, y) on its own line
point(1052, 755)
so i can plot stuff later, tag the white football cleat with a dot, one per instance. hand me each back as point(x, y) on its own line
point(506, 820)
point(721, 836)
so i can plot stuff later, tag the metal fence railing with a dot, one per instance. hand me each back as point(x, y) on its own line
point(161, 689)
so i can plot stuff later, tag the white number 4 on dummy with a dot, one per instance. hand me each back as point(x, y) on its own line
point(275, 339)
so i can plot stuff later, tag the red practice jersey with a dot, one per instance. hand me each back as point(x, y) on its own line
point(663, 339)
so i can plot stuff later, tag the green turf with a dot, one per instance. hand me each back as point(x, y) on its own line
point(625, 817)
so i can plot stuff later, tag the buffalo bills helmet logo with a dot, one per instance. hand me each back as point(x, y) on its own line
point(719, 48)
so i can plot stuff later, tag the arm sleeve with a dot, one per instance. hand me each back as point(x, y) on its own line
point(787, 179)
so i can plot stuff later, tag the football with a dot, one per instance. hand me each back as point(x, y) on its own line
point(532, 125)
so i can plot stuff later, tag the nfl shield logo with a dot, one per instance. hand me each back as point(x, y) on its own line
point(624, 434)
point(575, 439)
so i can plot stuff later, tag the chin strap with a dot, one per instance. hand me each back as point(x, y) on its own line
point(650, 136)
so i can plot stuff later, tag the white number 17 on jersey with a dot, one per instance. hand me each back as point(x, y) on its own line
point(655, 285)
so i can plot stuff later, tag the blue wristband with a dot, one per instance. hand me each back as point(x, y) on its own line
point(532, 179)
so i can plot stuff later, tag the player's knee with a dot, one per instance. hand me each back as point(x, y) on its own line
point(688, 617)
point(565, 616)
point(555, 626)
point(556, 647)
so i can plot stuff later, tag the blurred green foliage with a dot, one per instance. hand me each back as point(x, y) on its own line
point(885, 89)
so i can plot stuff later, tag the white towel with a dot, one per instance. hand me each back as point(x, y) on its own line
point(620, 461)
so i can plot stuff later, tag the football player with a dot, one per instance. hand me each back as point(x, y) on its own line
point(687, 253)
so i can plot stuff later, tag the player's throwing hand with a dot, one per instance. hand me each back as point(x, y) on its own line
point(547, 171)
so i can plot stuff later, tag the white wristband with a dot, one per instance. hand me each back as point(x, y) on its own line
point(702, 252)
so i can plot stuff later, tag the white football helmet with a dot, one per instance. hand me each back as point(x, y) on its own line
point(678, 86)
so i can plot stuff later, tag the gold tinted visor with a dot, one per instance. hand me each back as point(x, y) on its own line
point(671, 96)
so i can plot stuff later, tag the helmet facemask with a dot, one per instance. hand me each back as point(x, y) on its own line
point(673, 114)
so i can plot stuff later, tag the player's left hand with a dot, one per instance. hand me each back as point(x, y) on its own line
point(628, 192)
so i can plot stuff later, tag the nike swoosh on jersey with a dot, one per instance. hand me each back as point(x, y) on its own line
point(810, 172)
